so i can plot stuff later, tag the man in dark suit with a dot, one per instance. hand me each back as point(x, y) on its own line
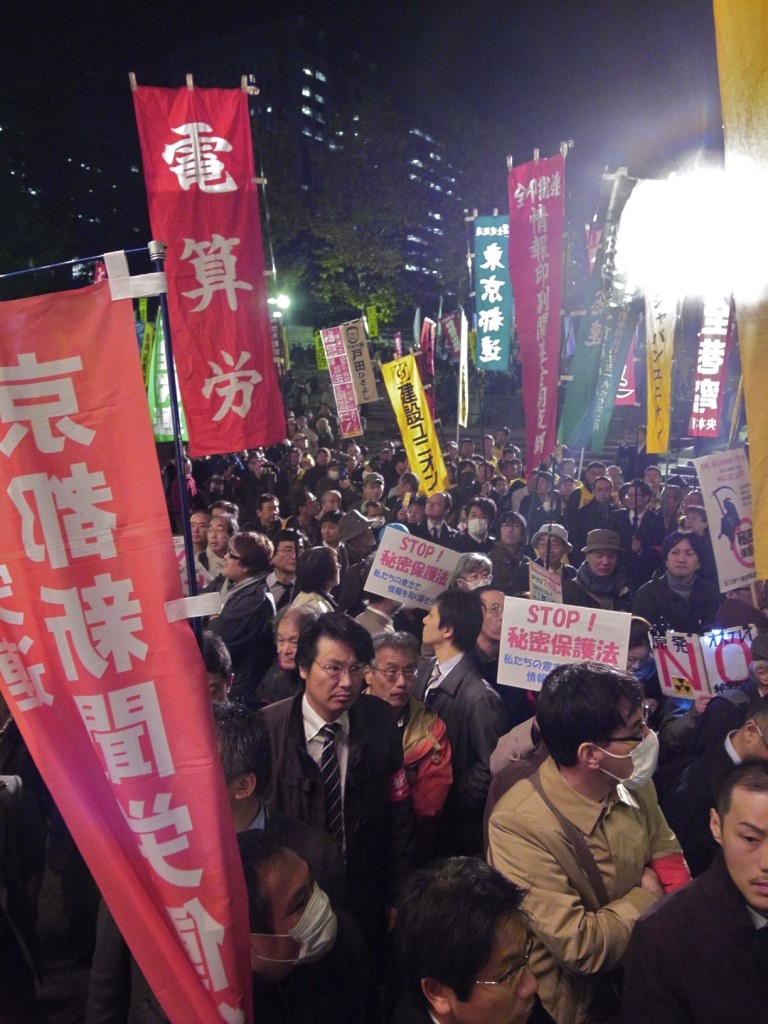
point(641, 529)
point(473, 713)
point(338, 765)
point(687, 802)
point(701, 956)
point(434, 526)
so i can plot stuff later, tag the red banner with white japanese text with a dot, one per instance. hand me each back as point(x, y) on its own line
point(711, 361)
point(110, 698)
point(350, 424)
point(536, 219)
point(201, 189)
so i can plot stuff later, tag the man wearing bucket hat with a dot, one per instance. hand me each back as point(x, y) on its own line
point(600, 581)
point(552, 547)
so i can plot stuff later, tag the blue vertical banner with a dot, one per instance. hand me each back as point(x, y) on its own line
point(493, 294)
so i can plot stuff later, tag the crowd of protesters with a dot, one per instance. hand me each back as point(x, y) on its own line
point(422, 843)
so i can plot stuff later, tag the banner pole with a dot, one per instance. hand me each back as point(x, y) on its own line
point(157, 255)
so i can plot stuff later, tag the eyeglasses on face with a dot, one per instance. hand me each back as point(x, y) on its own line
point(392, 672)
point(233, 555)
point(514, 970)
point(633, 739)
point(334, 670)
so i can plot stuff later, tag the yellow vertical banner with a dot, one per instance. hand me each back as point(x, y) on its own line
point(741, 28)
point(660, 321)
point(406, 393)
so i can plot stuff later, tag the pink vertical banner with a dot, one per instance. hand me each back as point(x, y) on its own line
point(715, 340)
point(350, 423)
point(110, 696)
point(536, 221)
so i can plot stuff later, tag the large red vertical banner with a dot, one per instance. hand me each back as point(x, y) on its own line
point(536, 219)
point(203, 203)
point(111, 699)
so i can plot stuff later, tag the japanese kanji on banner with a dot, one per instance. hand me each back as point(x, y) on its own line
point(417, 428)
point(536, 218)
point(627, 393)
point(359, 359)
point(537, 636)
point(690, 666)
point(201, 188)
point(112, 700)
point(344, 395)
point(493, 293)
point(709, 384)
point(660, 323)
point(410, 569)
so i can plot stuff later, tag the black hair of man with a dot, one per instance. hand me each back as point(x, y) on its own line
point(583, 703)
point(262, 500)
point(339, 627)
point(462, 611)
point(243, 741)
point(448, 921)
point(486, 505)
point(288, 535)
point(751, 774)
point(315, 570)
point(641, 486)
point(258, 850)
point(639, 628)
point(216, 655)
point(227, 508)
point(677, 537)
point(254, 551)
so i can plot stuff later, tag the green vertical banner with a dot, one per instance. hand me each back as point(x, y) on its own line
point(493, 293)
point(159, 390)
point(598, 325)
point(372, 321)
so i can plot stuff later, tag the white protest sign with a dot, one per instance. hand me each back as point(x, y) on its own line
point(690, 665)
point(679, 664)
point(725, 484)
point(544, 585)
point(409, 569)
point(537, 636)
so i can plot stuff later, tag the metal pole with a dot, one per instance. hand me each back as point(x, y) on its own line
point(157, 255)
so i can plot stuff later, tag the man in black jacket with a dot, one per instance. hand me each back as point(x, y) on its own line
point(338, 765)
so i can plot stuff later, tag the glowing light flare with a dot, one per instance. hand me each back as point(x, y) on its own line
point(703, 232)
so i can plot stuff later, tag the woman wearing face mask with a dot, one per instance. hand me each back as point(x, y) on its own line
point(471, 572)
point(677, 598)
point(481, 512)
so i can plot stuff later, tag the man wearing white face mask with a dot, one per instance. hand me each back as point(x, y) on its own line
point(586, 839)
point(308, 963)
point(481, 512)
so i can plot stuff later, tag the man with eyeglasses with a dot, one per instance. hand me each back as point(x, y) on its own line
point(338, 765)
point(585, 838)
point(426, 749)
point(462, 946)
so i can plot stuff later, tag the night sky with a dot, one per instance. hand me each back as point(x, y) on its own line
point(633, 82)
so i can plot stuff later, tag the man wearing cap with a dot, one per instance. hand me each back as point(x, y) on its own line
point(552, 546)
point(357, 536)
point(599, 582)
point(373, 490)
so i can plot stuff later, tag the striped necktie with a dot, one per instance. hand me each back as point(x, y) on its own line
point(430, 694)
point(329, 769)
